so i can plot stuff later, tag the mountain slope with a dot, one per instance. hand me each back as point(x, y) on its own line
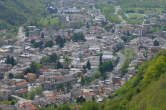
point(146, 91)
point(17, 12)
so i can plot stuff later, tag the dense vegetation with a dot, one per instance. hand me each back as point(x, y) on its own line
point(17, 12)
point(142, 3)
point(78, 37)
point(10, 101)
point(33, 92)
point(146, 91)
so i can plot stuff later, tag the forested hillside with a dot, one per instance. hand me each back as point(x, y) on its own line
point(17, 12)
point(145, 91)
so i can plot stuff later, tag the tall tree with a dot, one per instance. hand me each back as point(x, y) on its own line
point(88, 65)
point(156, 43)
point(42, 35)
point(100, 59)
point(10, 60)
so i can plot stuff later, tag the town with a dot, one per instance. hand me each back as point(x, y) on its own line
point(86, 57)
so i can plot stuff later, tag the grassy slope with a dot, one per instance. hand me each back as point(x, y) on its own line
point(145, 91)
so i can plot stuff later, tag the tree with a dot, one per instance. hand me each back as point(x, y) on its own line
point(77, 37)
point(37, 44)
point(45, 59)
point(83, 81)
point(33, 92)
point(104, 75)
point(88, 65)
point(33, 41)
point(97, 74)
point(156, 43)
point(87, 25)
point(59, 65)
point(60, 41)
point(60, 87)
point(84, 69)
point(10, 76)
point(10, 60)
point(90, 106)
point(80, 99)
point(106, 67)
point(100, 60)
point(125, 38)
point(64, 107)
point(42, 35)
point(49, 43)
point(53, 58)
point(27, 34)
point(67, 60)
point(34, 68)
point(39, 90)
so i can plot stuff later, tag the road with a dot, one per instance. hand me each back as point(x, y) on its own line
point(21, 100)
point(122, 59)
point(116, 69)
point(21, 34)
point(17, 97)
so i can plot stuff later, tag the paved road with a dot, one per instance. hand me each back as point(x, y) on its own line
point(115, 72)
point(20, 98)
point(21, 34)
point(122, 59)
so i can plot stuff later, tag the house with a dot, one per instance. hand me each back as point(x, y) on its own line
point(94, 49)
point(5, 67)
point(7, 107)
point(116, 81)
point(20, 86)
point(28, 105)
point(100, 18)
point(88, 94)
point(73, 10)
point(106, 58)
point(31, 77)
point(5, 91)
point(33, 30)
point(52, 80)
point(75, 93)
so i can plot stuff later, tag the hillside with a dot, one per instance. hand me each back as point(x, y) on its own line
point(145, 91)
point(17, 12)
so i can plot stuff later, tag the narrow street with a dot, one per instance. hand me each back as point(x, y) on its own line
point(21, 34)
